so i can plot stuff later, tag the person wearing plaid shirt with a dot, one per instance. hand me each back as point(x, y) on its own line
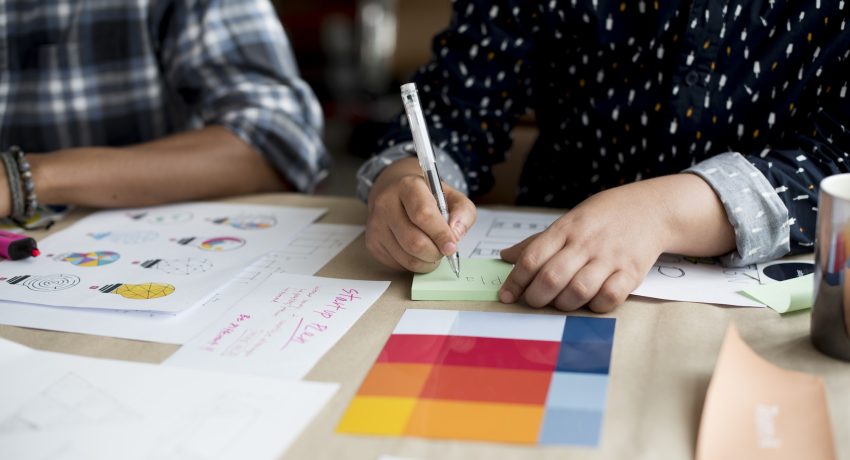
point(137, 103)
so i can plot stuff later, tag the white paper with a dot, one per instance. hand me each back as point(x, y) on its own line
point(673, 277)
point(496, 230)
point(294, 256)
point(164, 258)
point(69, 407)
point(282, 328)
point(692, 279)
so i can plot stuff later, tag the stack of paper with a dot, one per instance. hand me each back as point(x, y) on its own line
point(672, 277)
point(70, 407)
point(162, 259)
point(206, 281)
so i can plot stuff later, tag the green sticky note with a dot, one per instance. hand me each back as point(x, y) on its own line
point(785, 296)
point(480, 279)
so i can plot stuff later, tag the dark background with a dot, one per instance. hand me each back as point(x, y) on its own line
point(355, 54)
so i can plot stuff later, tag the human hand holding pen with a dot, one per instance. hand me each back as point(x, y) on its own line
point(405, 229)
point(426, 156)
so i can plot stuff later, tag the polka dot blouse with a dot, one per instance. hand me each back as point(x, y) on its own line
point(750, 95)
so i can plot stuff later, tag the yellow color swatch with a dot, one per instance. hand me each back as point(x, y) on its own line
point(377, 415)
point(433, 418)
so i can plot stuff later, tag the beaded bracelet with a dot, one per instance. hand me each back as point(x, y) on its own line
point(14, 180)
point(28, 185)
point(21, 186)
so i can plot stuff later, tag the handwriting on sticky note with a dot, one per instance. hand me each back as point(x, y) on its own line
point(480, 279)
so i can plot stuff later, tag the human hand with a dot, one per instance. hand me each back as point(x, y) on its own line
point(600, 251)
point(5, 192)
point(405, 229)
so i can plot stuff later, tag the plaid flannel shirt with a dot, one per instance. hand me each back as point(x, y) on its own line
point(116, 73)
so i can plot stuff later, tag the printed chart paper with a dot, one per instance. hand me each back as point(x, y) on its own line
point(482, 376)
point(164, 258)
point(305, 254)
point(71, 407)
point(480, 279)
point(496, 230)
point(695, 279)
point(673, 277)
point(283, 328)
point(754, 409)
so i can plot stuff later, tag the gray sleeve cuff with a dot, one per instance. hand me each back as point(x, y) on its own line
point(754, 209)
point(449, 171)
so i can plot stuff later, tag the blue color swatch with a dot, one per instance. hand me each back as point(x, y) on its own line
point(577, 392)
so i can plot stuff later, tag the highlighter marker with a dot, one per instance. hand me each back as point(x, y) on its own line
point(14, 246)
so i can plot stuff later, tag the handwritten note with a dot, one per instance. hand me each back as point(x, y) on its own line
point(480, 279)
point(283, 328)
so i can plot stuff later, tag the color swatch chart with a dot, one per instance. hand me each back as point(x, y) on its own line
point(503, 377)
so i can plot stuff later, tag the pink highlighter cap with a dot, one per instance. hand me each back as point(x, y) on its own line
point(14, 246)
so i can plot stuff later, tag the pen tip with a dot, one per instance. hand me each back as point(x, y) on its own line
point(35, 252)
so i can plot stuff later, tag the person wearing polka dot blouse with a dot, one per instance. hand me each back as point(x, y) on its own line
point(701, 128)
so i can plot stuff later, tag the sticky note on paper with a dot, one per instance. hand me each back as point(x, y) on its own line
point(480, 279)
point(785, 296)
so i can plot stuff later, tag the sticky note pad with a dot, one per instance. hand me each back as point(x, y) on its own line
point(480, 279)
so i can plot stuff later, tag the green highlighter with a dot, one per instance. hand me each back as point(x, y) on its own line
point(480, 279)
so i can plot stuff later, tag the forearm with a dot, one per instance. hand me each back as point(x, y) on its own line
point(695, 217)
point(207, 163)
point(391, 174)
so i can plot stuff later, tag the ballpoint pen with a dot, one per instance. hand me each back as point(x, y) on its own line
point(425, 154)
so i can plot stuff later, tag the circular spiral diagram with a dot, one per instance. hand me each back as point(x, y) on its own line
point(50, 283)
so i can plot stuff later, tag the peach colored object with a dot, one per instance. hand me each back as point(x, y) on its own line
point(755, 410)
